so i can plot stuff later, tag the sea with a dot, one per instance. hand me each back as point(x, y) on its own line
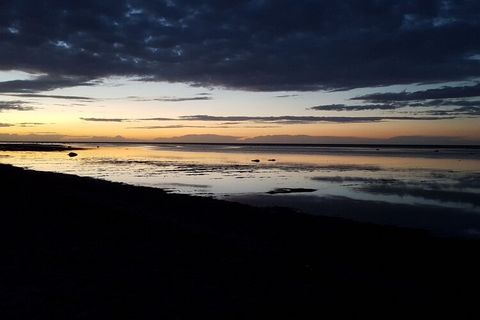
point(427, 187)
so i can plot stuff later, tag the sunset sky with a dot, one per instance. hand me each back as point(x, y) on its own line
point(240, 71)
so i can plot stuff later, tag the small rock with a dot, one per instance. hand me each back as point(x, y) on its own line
point(272, 159)
point(255, 160)
point(290, 190)
point(72, 154)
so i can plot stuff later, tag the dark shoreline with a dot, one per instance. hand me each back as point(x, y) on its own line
point(82, 248)
point(50, 147)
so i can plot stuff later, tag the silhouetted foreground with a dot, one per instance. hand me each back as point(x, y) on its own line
point(35, 147)
point(79, 248)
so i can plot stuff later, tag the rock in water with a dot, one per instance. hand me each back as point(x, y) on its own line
point(290, 190)
point(72, 154)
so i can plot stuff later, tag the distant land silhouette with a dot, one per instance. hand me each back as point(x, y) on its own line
point(280, 139)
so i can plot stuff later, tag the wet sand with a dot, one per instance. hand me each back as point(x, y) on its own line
point(80, 248)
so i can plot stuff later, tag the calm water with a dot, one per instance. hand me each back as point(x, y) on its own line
point(336, 181)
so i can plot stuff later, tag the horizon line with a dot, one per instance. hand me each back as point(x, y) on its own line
point(386, 145)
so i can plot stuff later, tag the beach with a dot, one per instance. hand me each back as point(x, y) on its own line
point(76, 247)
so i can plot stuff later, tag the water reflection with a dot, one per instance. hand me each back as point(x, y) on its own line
point(448, 178)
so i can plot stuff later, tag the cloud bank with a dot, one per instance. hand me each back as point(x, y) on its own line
point(16, 105)
point(267, 45)
point(270, 119)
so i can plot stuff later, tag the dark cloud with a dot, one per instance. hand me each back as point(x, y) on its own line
point(343, 107)
point(175, 126)
point(268, 119)
point(251, 126)
point(209, 127)
point(442, 103)
point(183, 99)
point(461, 107)
point(463, 103)
point(287, 96)
point(31, 124)
point(94, 119)
point(300, 119)
point(51, 96)
point(23, 124)
point(231, 123)
point(441, 93)
point(172, 99)
point(41, 83)
point(465, 111)
point(269, 45)
point(16, 105)
point(457, 108)
point(105, 119)
point(155, 119)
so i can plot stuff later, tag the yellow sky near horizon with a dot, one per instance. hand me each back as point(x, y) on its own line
point(130, 101)
point(465, 128)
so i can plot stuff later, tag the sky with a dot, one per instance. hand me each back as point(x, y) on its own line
point(267, 71)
